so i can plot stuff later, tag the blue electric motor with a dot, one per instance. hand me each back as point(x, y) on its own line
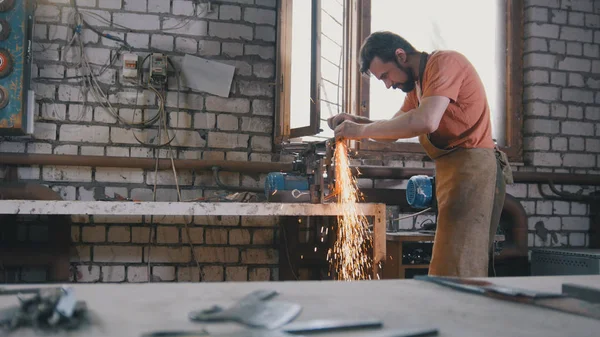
point(419, 192)
point(277, 181)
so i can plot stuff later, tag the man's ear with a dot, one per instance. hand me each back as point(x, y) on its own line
point(401, 55)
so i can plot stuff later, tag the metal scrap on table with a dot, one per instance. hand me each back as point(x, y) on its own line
point(43, 308)
point(574, 299)
point(263, 317)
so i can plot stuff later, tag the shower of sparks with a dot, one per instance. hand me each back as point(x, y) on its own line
point(350, 254)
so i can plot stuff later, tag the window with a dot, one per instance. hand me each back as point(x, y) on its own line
point(310, 68)
point(491, 40)
point(441, 25)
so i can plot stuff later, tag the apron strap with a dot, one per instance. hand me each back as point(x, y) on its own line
point(422, 64)
point(432, 151)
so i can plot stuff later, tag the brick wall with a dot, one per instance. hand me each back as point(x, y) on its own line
point(69, 121)
point(561, 130)
point(561, 119)
point(562, 46)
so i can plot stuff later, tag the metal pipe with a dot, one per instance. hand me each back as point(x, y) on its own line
point(517, 217)
point(561, 195)
point(143, 163)
point(220, 184)
point(379, 172)
point(382, 172)
point(556, 178)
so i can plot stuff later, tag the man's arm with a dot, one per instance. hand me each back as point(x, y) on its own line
point(424, 119)
point(362, 120)
point(407, 105)
point(338, 119)
point(391, 140)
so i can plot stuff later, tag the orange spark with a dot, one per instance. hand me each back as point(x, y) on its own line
point(350, 257)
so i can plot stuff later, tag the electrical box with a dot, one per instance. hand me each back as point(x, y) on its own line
point(158, 69)
point(17, 101)
point(130, 66)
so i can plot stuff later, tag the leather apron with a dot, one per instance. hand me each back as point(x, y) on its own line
point(470, 189)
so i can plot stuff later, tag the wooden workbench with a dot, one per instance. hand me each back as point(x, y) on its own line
point(130, 309)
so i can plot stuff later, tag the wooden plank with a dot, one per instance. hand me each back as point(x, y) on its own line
point(514, 80)
point(283, 71)
point(179, 208)
point(134, 309)
point(379, 245)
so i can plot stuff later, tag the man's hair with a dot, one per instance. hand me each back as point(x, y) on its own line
point(383, 45)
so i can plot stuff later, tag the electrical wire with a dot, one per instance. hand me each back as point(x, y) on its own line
point(413, 214)
point(187, 229)
point(128, 29)
point(100, 72)
point(163, 127)
point(91, 85)
point(133, 30)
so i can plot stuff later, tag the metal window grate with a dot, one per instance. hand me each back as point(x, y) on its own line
point(562, 261)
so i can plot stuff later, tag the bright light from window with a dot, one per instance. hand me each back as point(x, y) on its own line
point(301, 52)
point(331, 48)
point(474, 28)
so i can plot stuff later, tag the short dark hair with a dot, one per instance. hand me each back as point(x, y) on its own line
point(382, 44)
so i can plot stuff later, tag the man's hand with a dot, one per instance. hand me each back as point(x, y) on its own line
point(338, 119)
point(349, 130)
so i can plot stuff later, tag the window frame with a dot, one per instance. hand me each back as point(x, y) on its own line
point(513, 84)
point(355, 98)
point(283, 131)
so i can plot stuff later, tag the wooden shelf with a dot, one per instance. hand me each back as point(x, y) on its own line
point(394, 268)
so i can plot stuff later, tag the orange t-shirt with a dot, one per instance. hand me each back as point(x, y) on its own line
point(466, 122)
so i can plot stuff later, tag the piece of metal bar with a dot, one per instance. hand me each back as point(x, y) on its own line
point(217, 169)
point(381, 172)
point(554, 301)
point(326, 325)
point(144, 163)
point(8, 292)
point(581, 292)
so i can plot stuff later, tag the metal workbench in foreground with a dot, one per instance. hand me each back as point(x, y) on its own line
point(132, 309)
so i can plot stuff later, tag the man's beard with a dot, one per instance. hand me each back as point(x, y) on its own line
point(409, 85)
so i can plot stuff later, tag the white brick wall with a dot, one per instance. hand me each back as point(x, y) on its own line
point(560, 85)
point(238, 127)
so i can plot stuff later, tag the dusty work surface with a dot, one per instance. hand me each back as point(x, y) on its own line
point(133, 309)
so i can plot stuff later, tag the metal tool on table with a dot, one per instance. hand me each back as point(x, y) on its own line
point(326, 325)
point(583, 301)
point(267, 318)
point(335, 325)
point(255, 310)
point(43, 308)
point(318, 325)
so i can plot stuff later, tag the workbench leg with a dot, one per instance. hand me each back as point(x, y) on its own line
point(60, 241)
point(379, 243)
